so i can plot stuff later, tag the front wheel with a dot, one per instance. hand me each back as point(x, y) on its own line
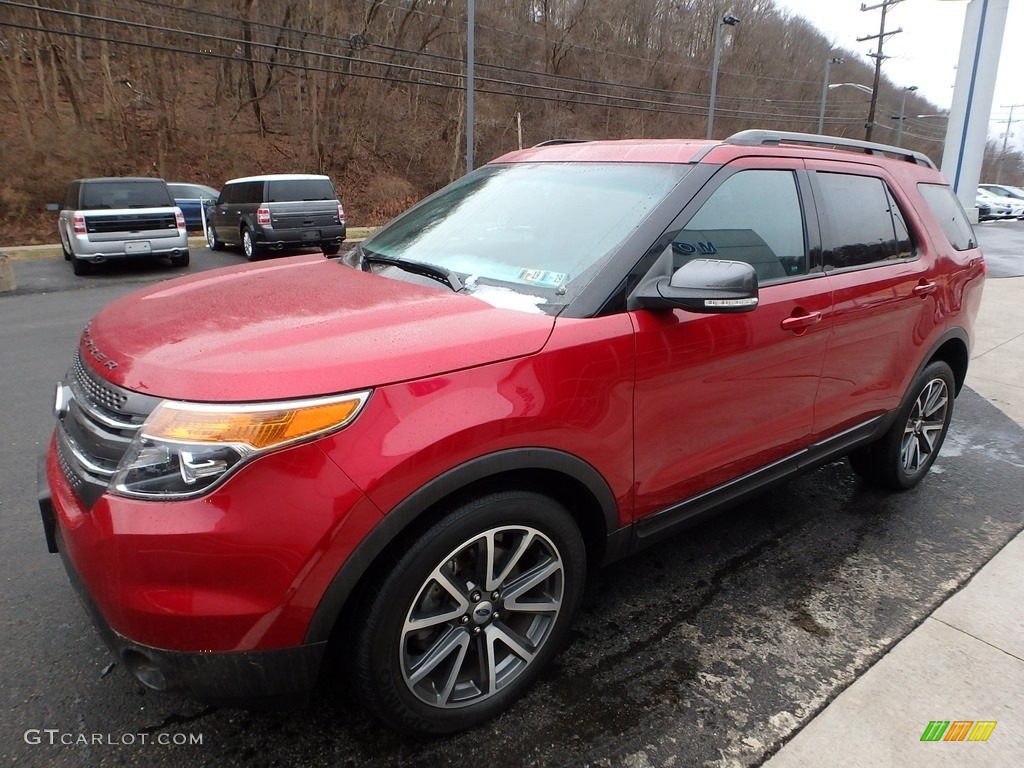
point(211, 239)
point(470, 613)
point(907, 451)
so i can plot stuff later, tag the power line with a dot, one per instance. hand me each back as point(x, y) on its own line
point(648, 105)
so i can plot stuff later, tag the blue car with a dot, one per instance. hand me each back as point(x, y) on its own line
point(191, 198)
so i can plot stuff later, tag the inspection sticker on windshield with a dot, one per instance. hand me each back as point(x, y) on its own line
point(542, 277)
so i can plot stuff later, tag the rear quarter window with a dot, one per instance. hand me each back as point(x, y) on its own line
point(946, 209)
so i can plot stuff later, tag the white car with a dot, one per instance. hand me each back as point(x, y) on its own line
point(1002, 207)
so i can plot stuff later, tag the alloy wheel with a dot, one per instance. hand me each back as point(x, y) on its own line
point(924, 427)
point(481, 616)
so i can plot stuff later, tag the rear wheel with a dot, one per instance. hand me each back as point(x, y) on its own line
point(81, 266)
point(469, 614)
point(331, 250)
point(180, 261)
point(906, 452)
point(248, 246)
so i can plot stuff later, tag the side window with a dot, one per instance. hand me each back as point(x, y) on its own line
point(863, 225)
point(950, 214)
point(754, 216)
point(228, 194)
point(253, 192)
point(71, 199)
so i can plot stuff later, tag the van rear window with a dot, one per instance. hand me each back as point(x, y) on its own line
point(293, 190)
point(125, 194)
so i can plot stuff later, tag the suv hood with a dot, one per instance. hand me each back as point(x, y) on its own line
point(300, 327)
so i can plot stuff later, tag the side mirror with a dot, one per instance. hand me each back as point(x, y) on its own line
point(703, 285)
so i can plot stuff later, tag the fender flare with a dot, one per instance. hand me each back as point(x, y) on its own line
point(409, 509)
point(955, 333)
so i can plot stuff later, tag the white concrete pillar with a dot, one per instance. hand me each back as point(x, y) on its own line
point(967, 130)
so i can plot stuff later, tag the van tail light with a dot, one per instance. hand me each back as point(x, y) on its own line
point(79, 224)
point(263, 217)
point(341, 214)
point(179, 219)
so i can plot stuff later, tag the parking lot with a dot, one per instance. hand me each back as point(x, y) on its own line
point(710, 649)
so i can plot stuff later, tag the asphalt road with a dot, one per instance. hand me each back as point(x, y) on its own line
point(711, 649)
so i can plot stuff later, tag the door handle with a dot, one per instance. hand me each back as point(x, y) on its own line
point(801, 321)
point(924, 288)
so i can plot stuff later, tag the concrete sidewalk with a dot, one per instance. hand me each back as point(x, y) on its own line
point(965, 662)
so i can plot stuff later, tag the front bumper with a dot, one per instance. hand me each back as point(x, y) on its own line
point(207, 596)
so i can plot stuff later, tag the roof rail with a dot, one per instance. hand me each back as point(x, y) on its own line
point(553, 142)
point(758, 138)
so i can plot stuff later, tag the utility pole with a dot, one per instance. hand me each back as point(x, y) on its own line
point(1002, 156)
point(878, 57)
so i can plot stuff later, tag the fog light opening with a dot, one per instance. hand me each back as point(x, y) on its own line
point(145, 671)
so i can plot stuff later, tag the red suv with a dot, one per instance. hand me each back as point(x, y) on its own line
point(409, 458)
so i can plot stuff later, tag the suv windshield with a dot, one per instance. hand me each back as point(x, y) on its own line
point(294, 190)
point(125, 194)
point(535, 229)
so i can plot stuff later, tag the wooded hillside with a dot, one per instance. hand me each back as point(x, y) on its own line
point(371, 92)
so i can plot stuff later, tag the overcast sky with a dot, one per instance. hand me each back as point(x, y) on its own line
point(926, 52)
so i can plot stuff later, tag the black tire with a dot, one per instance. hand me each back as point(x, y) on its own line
point(180, 261)
point(81, 266)
point(211, 239)
point(443, 573)
point(249, 247)
point(331, 250)
point(903, 456)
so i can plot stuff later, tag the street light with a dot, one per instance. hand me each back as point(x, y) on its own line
point(470, 60)
point(903, 113)
point(727, 20)
point(824, 90)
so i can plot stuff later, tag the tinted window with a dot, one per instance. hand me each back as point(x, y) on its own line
point(252, 192)
point(71, 199)
point(863, 224)
point(755, 216)
point(950, 214)
point(125, 194)
point(287, 190)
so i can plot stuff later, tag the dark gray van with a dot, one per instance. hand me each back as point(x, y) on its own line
point(277, 211)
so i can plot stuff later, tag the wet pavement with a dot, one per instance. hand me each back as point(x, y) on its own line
point(709, 649)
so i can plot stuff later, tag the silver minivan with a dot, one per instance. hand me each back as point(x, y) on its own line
point(121, 217)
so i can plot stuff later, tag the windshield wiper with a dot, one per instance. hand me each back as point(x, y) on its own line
point(433, 271)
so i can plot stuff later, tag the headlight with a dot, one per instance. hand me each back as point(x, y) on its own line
point(185, 449)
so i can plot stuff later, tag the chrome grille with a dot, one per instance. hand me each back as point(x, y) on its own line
point(95, 429)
